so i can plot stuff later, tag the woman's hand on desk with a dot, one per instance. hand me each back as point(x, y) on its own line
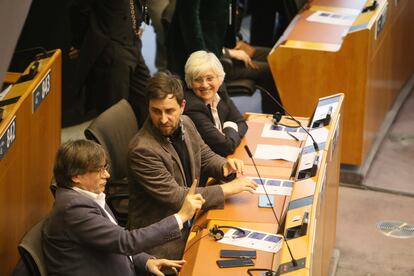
point(238, 185)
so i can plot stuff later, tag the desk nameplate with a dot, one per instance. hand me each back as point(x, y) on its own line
point(41, 91)
point(7, 137)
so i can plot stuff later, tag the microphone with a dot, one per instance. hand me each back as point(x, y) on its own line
point(315, 145)
point(328, 116)
point(249, 153)
point(314, 168)
point(371, 7)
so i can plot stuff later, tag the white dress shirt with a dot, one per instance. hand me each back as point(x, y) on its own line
point(216, 118)
point(100, 199)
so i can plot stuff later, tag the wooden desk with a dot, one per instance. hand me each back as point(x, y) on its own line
point(254, 137)
point(370, 63)
point(317, 195)
point(203, 251)
point(26, 167)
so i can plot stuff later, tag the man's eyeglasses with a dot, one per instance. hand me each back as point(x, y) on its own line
point(208, 79)
point(102, 169)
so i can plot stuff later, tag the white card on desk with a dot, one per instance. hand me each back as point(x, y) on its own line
point(273, 152)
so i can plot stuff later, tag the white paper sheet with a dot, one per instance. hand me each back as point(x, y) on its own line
point(281, 132)
point(273, 186)
point(320, 135)
point(306, 161)
point(254, 239)
point(322, 111)
point(273, 152)
point(332, 18)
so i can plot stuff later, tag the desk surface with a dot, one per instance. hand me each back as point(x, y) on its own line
point(242, 211)
point(203, 251)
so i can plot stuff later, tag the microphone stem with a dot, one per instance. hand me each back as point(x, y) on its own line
point(267, 195)
point(294, 263)
point(315, 145)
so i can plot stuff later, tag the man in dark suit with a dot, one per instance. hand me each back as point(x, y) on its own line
point(107, 39)
point(168, 154)
point(217, 119)
point(81, 235)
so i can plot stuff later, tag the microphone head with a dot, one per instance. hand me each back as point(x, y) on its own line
point(277, 117)
point(315, 145)
point(249, 153)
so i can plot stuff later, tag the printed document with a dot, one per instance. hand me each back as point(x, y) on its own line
point(254, 239)
point(273, 152)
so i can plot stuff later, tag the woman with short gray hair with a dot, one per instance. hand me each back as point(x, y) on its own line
point(217, 119)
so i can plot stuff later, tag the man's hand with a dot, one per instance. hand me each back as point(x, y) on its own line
point(192, 203)
point(73, 53)
point(243, 56)
point(238, 185)
point(233, 165)
point(156, 265)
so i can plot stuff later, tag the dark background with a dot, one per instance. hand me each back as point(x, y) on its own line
point(47, 26)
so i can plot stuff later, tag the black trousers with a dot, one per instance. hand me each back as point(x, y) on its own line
point(119, 73)
point(262, 76)
point(265, 30)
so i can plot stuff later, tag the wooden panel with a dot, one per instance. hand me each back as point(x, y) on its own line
point(330, 202)
point(26, 169)
point(303, 31)
point(370, 71)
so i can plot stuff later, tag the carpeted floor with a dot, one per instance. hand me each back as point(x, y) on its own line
point(363, 249)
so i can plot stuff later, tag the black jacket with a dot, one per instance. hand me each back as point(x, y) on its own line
point(203, 119)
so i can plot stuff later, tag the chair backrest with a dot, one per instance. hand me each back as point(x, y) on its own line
point(30, 250)
point(237, 87)
point(113, 129)
point(240, 87)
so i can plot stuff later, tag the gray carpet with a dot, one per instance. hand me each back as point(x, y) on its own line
point(363, 249)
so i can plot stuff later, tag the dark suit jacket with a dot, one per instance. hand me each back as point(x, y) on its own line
point(157, 180)
point(221, 143)
point(102, 30)
point(79, 239)
point(199, 25)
